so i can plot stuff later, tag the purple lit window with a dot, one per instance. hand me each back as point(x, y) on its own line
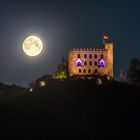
point(85, 56)
point(78, 62)
point(102, 63)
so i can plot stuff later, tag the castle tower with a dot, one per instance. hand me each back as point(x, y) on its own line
point(109, 47)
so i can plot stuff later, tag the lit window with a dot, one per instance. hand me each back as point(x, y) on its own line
point(79, 56)
point(31, 89)
point(95, 56)
point(84, 71)
point(78, 63)
point(96, 70)
point(95, 63)
point(42, 83)
point(108, 78)
point(85, 56)
point(101, 63)
point(85, 63)
point(99, 81)
point(90, 56)
point(90, 63)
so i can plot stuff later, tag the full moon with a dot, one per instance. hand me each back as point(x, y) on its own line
point(32, 46)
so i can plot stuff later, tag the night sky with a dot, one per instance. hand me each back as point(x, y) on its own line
point(63, 25)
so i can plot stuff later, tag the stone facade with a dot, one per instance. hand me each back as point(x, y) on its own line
point(91, 61)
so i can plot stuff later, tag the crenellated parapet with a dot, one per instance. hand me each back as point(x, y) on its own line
point(88, 49)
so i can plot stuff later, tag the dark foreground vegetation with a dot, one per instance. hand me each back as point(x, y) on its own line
point(73, 110)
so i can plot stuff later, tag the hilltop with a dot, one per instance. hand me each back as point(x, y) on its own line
point(75, 109)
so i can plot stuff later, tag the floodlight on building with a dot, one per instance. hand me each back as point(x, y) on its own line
point(31, 90)
point(108, 78)
point(42, 83)
point(99, 81)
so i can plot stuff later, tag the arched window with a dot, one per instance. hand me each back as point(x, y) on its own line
point(102, 63)
point(85, 56)
point(95, 63)
point(90, 62)
point(85, 63)
point(79, 63)
point(84, 71)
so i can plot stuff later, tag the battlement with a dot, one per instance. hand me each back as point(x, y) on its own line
point(88, 49)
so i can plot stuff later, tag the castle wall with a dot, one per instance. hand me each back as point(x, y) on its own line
point(90, 61)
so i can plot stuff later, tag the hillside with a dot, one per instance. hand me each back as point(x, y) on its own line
point(10, 92)
point(74, 109)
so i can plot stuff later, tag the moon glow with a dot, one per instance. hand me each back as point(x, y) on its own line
point(32, 46)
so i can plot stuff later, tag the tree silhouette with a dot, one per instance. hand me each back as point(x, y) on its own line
point(62, 70)
point(134, 71)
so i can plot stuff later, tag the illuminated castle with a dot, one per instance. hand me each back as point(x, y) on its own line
point(91, 61)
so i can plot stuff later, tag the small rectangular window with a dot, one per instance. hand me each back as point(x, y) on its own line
point(85, 63)
point(96, 70)
point(95, 56)
point(79, 56)
point(90, 56)
point(102, 56)
point(89, 71)
point(95, 63)
point(79, 70)
point(90, 63)
point(85, 56)
point(84, 71)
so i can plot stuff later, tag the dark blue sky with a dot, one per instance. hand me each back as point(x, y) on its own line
point(63, 25)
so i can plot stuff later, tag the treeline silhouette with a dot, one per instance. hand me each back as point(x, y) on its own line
point(134, 71)
point(10, 92)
